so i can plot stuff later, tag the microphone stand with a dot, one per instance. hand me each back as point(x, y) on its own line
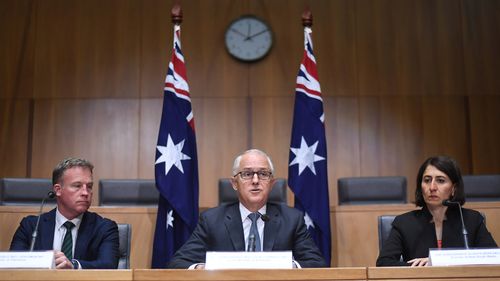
point(251, 243)
point(464, 230)
point(51, 195)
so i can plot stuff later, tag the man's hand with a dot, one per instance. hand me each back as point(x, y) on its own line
point(62, 262)
point(200, 266)
point(419, 262)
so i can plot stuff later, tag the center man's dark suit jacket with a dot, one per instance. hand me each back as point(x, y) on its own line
point(96, 244)
point(221, 229)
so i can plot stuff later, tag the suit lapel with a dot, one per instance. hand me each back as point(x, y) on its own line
point(82, 241)
point(234, 227)
point(271, 227)
point(46, 230)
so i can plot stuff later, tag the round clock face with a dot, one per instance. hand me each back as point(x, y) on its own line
point(248, 38)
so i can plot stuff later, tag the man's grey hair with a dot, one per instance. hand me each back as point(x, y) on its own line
point(68, 163)
point(237, 160)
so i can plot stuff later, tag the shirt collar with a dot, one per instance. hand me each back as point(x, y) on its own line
point(245, 212)
point(60, 220)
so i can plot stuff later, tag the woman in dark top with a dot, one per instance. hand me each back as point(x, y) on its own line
point(435, 225)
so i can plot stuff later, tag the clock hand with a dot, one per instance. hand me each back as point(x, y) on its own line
point(248, 31)
point(258, 33)
point(238, 32)
point(248, 37)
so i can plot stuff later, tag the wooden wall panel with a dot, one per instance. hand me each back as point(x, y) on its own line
point(334, 39)
point(343, 138)
point(14, 137)
point(87, 49)
point(222, 132)
point(485, 134)
point(271, 126)
point(211, 71)
point(103, 131)
point(481, 37)
point(150, 115)
point(398, 134)
point(16, 50)
point(156, 47)
point(275, 75)
point(445, 130)
point(389, 130)
point(409, 47)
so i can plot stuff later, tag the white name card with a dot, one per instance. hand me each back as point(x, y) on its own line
point(443, 257)
point(44, 260)
point(246, 260)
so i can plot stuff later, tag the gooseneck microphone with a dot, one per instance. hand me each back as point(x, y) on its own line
point(264, 217)
point(450, 203)
point(50, 195)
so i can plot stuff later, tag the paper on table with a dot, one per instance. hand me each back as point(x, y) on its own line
point(255, 260)
point(42, 259)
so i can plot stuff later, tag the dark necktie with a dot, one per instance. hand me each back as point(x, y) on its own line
point(67, 245)
point(254, 231)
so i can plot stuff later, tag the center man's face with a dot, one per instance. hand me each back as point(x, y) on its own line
point(254, 181)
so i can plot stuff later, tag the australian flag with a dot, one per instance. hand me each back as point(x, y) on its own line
point(176, 166)
point(307, 171)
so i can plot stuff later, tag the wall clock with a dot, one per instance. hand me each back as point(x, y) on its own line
point(248, 38)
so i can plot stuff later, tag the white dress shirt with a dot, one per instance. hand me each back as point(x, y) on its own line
point(60, 231)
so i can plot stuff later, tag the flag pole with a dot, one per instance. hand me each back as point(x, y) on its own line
point(307, 17)
point(176, 14)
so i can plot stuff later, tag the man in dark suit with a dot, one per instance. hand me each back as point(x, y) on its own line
point(80, 239)
point(230, 227)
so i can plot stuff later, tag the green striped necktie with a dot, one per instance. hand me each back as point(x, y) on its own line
point(67, 245)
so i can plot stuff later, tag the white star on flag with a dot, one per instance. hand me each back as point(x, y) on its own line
point(305, 156)
point(170, 219)
point(172, 155)
point(308, 220)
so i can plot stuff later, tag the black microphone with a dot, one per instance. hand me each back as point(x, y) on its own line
point(50, 195)
point(251, 243)
point(264, 217)
point(450, 203)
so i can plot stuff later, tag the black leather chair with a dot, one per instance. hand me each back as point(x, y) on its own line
point(384, 228)
point(125, 234)
point(372, 190)
point(128, 192)
point(25, 191)
point(479, 188)
point(227, 194)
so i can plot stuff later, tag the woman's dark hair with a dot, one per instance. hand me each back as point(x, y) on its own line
point(448, 166)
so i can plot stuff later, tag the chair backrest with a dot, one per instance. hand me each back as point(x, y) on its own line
point(479, 188)
point(384, 228)
point(128, 192)
point(25, 191)
point(227, 194)
point(372, 190)
point(125, 234)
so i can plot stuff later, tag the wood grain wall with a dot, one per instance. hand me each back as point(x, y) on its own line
point(402, 80)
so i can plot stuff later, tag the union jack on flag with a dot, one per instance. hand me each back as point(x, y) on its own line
point(307, 171)
point(176, 165)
